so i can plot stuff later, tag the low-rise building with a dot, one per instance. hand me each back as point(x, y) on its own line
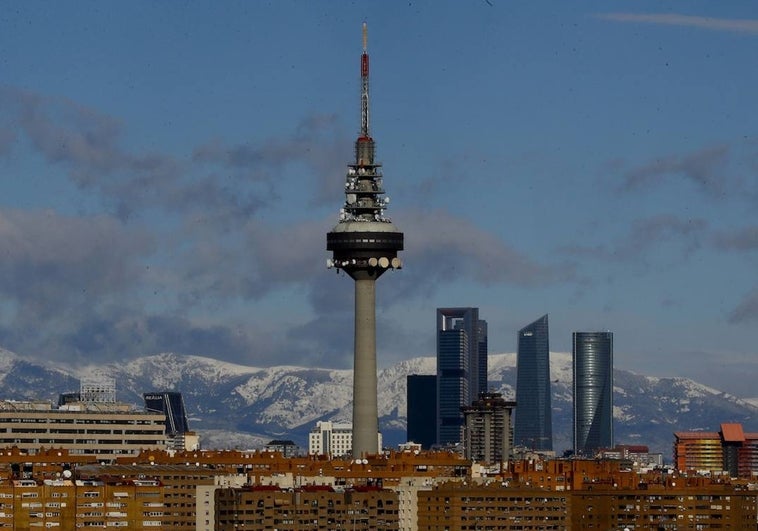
point(69, 504)
point(333, 439)
point(492, 506)
point(306, 508)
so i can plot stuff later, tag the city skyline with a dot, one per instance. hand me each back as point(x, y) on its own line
point(170, 172)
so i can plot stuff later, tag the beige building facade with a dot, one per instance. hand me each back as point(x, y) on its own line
point(104, 430)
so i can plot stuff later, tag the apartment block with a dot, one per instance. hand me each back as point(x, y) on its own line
point(70, 504)
point(492, 506)
point(306, 508)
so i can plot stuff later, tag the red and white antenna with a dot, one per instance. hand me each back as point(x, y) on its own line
point(364, 84)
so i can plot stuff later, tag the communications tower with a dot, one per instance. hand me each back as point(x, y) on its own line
point(364, 244)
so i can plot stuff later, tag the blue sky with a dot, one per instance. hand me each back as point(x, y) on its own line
point(170, 171)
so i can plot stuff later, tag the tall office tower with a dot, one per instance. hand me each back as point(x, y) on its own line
point(422, 409)
point(461, 368)
point(488, 433)
point(592, 355)
point(171, 404)
point(364, 244)
point(533, 427)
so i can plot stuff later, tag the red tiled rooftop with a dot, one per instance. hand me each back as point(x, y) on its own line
point(732, 432)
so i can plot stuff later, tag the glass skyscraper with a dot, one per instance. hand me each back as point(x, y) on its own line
point(422, 409)
point(461, 368)
point(533, 428)
point(592, 355)
point(172, 404)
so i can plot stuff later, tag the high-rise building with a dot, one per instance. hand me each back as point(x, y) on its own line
point(171, 404)
point(488, 433)
point(461, 368)
point(592, 356)
point(364, 244)
point(421, 408)
point(533, 427)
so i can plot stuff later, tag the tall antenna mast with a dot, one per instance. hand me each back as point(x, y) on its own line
point(364, 84)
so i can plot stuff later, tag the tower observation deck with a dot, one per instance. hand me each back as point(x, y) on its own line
point(364, 244)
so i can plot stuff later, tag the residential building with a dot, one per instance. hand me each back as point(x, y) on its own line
point(455, 505)
point(69, 503)
point(461, 368)
point(206, 499)
point(676, 504)
point(533, 426)
point(285, 447)
point(592, 356)
point(488, 433)
point(176, 507)
point(306, 508)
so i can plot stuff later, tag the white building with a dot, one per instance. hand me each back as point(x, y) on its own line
point(333, 439)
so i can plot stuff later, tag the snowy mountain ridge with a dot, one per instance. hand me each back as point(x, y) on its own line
point(232, 404)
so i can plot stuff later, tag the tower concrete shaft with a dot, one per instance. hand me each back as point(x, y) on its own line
point(364, 244)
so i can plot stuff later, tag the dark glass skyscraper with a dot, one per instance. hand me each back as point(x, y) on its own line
point(533, 428)
point(422, 409)
point(172, 405)
point(461, 368)
point(592, 355)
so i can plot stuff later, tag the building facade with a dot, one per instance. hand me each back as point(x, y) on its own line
point(488, 433)
point(306, 508)
point(455, 505)
point(68, 504)
point(592, 356)
point(730, 449)
point(171, 404)
point(333, 439)
point(533, 427)
point(106, 430)
point(461, 368)
point(421, 409)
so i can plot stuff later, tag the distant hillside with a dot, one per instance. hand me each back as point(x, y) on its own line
point(238, 406)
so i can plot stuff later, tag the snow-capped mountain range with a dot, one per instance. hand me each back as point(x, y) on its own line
point(240, 406)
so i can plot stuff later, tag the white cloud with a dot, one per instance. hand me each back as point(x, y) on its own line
point(675, 19)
